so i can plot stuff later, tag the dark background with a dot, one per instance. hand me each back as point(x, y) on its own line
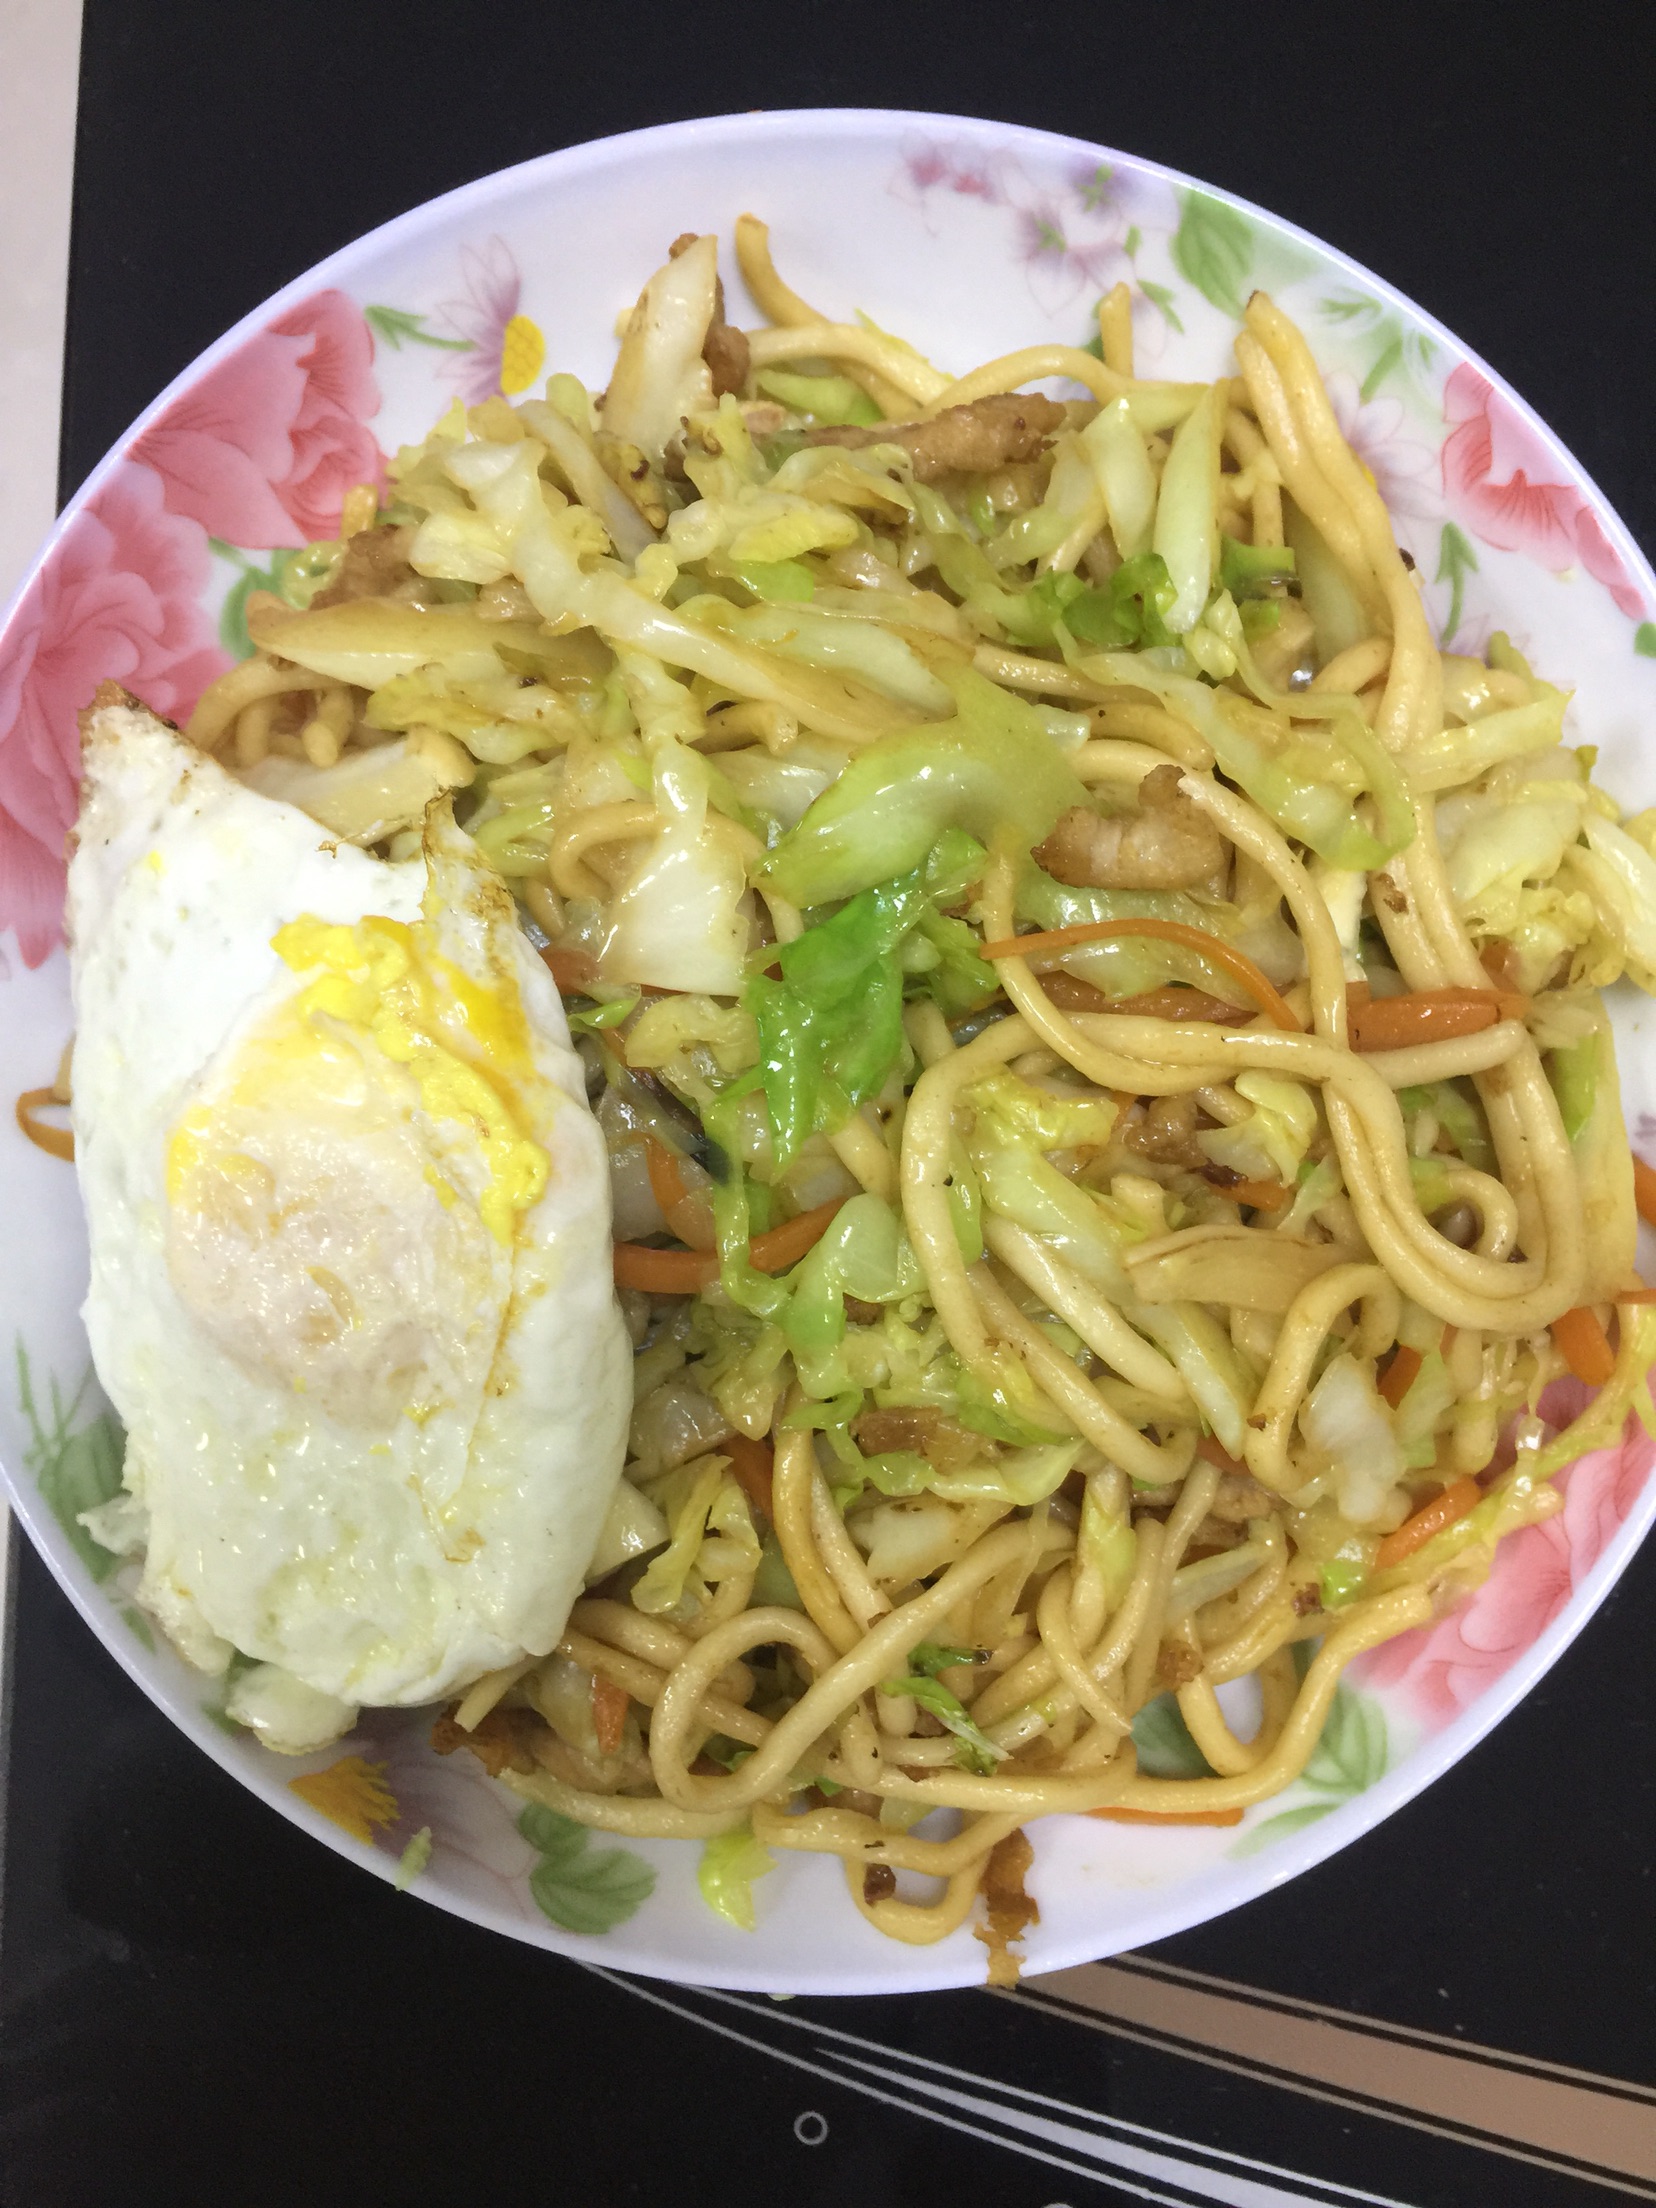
point(197, 2004)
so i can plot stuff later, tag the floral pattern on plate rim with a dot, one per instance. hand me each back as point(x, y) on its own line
point(145, 583)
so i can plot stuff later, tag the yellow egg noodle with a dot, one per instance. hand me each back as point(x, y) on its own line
point(1095, 1021)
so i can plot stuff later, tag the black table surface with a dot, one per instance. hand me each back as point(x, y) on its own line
point(197, 2004)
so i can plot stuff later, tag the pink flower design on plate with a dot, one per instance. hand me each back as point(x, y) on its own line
point(954, 165)
point(262, 450)
point(119, 600)
point(494, 290)
point(1442, 1668)
point(1495, 473)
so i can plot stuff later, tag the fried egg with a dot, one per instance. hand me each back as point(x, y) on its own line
point(349, 1219)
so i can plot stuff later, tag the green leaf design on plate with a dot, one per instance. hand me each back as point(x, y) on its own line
point(1279, 1827)
point(292, 575)
point(1352, 1754)
point(582, 1888)
point(1456, 560)
point(1165, 1748)
point(1398, 349)
point(1159, 296)
point(1214, 249)
point(1644, 639)
point(74, 1471)
point(399, 328)
point(1353, 1751)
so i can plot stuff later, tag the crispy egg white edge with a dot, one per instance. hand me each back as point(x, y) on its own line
point(179, 879)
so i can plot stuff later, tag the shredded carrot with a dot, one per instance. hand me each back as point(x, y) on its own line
point(1168, 1816)
point(1426, 1015)
point(1446, 1341)
point(685, 1210)
point(609, 1712)
point(1586, 1346)
point(1644, 1191)
point(1457, 1499)
point(682, 1272)
point(1641, 1294)
point(1262, 1195)
point(750, 1466)
point(572, 970)
point(1399, 1375)
point(57, 1142)
point(786, 1245)
point(664, 1272)
point(1237, 964)
point(666, 1181)
point(1071, 994)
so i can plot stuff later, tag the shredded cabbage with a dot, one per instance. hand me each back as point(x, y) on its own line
point(1345, 1421)
point(730, 1862)
point(1272, 1142)
point(992, 769)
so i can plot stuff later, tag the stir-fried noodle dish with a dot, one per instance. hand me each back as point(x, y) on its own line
point(1095, 1023)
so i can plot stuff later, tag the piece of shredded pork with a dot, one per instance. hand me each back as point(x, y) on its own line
point(998, 432)
point(1169, 843)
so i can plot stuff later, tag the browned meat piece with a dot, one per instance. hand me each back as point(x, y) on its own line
point(726, 354)
point(500, 1741)
point(1167, 1133)
point(879, 1882)
point(1169, 843)
point(726, 349)
point(1177, 1663)
point(963, 440)
point(375, 562)
point(1242, 1497)
point(930, 1434)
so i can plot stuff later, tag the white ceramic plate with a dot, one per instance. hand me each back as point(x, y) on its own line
point(969, 238)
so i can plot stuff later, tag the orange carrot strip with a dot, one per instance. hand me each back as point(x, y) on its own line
point(1399, 1375)
point(1262, 1195)
point(750, 1466)
point(1426, 1015)
point(1237, 964)
point(609, 1712)
point(664, 1272)
point(786, 1245)
point(1168, 1816)
point(1446, 1340)
point(1586, 1346)
point(1636, 1295)
point(571, 970)
point(682, 1272)
point(1644, 1191)
point(57, 1142)
point(1071, 994)
point(686, 1215)
point(666, 1181)
point(1457, 1499)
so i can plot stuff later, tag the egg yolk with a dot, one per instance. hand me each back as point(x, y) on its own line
point(381, 979)
point(344, 1196)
